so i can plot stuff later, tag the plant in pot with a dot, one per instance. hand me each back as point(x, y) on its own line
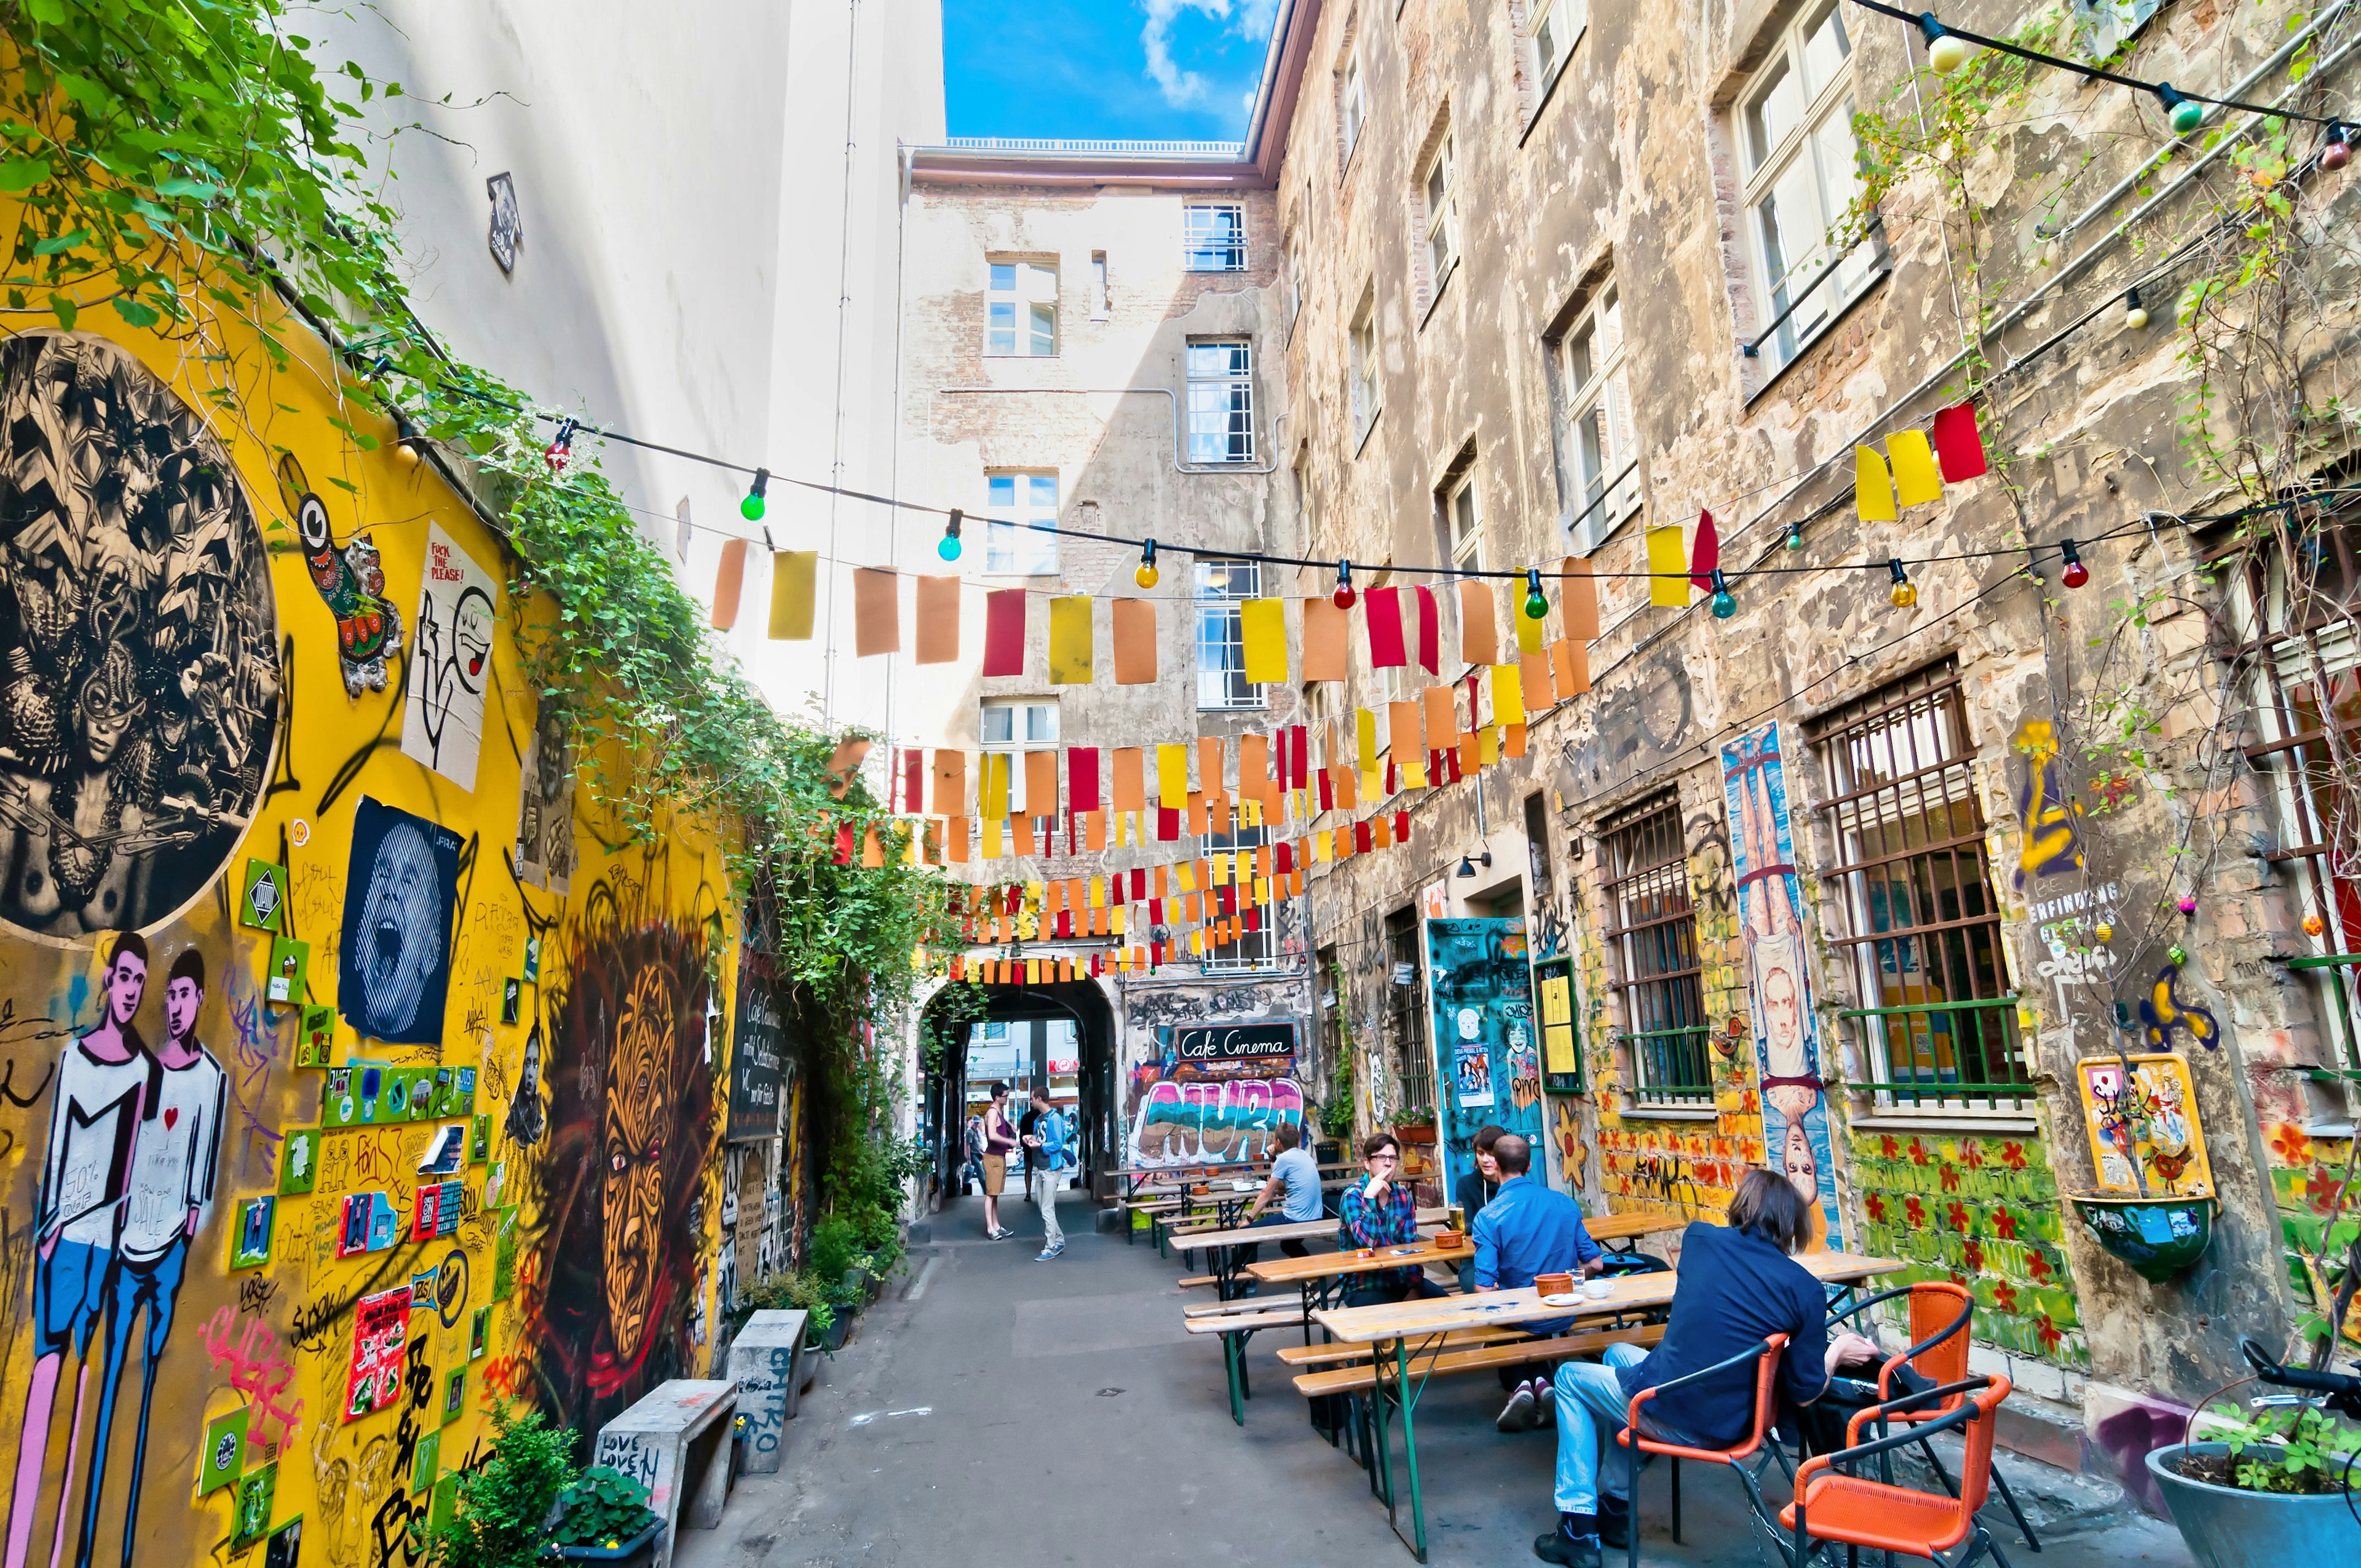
point(604, 1518)
point(1415, 1125)
point(2269, 1487)
point(504, 1504)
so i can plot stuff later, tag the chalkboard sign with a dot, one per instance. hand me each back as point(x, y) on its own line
point(1561, 1034)
point(1210, 1043)
point(758, 1051)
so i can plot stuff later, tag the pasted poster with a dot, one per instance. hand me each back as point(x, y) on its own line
point(381, 1330)
point(545, 807)
point(2148, 1121)
point(139, 675)
point(1481, 981)
point(400, 889)
point(451, 661)
point(758, 1050)
point(1787, 1047)
point(1214, 1093)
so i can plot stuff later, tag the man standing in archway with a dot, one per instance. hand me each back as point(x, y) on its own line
point(1049, 1152)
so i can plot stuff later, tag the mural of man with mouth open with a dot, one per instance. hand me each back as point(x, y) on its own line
point(398, 899)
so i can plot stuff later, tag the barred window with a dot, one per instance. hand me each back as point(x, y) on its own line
point(1653, 957)
point(1405, 1014)
point(1250, 949)
point(1223, 588)
point(1936, 1018)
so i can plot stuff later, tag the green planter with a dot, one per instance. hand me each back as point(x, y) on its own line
point(2159, 1238)
point(2230, 1529)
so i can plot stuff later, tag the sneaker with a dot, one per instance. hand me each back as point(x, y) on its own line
point(1057, 1250)
point(1614, 1521)
point(1046, 1254)
point(1517, 1415)
point(1545, 1402)
point(1563, 1546)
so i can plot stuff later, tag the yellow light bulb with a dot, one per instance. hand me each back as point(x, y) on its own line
point(1146, 576)
point(1904, 596)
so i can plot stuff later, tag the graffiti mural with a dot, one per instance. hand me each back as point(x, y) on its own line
point(1788, 1053)
point(1488, 1043)
point(634, 1131)
point(1214, 1093)
point(2050, 839)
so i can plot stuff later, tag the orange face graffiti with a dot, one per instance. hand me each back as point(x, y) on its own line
point(637, 1112)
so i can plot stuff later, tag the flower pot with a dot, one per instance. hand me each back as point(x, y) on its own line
point(832, 1339)
point(636, 1552)
point(2158, 1237)
point(1328, 1151)
point(1415, 1132)
point(2227, 1528)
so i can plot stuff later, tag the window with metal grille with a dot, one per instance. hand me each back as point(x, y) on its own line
point(1249, 949)
point(1652, 951)
point(1414, 1059)
point(1214, 237)
point(1221, 402)
point(1936, 1018)
point(1223, 588)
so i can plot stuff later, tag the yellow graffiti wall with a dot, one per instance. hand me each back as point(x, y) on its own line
point(354, 1071)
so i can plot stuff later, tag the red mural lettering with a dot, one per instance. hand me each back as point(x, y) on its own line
point(258, 1368)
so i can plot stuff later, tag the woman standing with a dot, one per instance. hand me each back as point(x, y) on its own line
point(999, 1143)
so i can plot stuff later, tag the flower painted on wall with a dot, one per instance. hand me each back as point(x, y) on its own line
point(1975, 1254)
point(2036, 1263)
point(2005, 1295)
point(2048, 1331)
point(1886, 1147)
point(2011, 1155)
point(2321, 1191)
point(2289, 1144)
point(1915, 1211)
point(1918, 1152)
point(2003, 1225)
point(1876, 1207)
point(1950, 1178)
point(1972, 1154)
point(1956, 1216)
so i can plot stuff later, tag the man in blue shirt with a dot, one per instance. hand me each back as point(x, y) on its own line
point(1529, 1229)
point(1049, 1154)
point(1294, 1186)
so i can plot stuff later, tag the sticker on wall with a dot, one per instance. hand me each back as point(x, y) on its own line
point(349, 579)
point(381, 1330)
point(455, 1395)
point(291, 967)
point(444, 1152)
point(401, 890)
point(315, 1036)
point(139, 669)
point(451, 661)
point(285, 1547)
point(256, 1490)
point(436, 1211)
point(544, 849)
point(447, 1505)
point(480, 1140)
point(421, 1291)
point(511, 1002)
point(1471, 1064)
point(299, 1162)
point(427, 1468)
point(528, 1117)
point(2146, 1120)
point(479, 1333)
point(299, 832)
point(370, 1225)
point(504, 1253)
point(262, 903)
point(531, 960)
point(249, 1246)
point(222, 1457)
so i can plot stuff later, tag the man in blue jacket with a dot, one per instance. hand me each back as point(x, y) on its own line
point(1049, 1154)
point(1527, 1229)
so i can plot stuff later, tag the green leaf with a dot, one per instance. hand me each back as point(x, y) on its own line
point(134, 312)
point(65, 310)
point(23, 173)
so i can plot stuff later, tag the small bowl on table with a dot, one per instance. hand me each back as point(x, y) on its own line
point(1554, 1284)
point(1449, 1240)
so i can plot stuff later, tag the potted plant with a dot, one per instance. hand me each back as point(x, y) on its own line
point(504, 1504)
point(2269, 1487)
point(604, 1518)
point(1415, 1125)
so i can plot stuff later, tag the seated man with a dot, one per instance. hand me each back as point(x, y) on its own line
point(1379, 1212)
point(1737, 1286)
point(1527, 1229)
point(1294, 1186)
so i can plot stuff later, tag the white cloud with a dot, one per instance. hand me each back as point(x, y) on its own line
point(1252, 19)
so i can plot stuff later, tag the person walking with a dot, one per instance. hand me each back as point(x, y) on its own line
point(999, 1143)
point(972, 1155)
point(1048, 1156)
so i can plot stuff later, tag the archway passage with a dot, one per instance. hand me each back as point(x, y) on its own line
point(1060, 1035)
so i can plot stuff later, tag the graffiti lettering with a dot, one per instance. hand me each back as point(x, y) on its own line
point(1191, 1124)
point(2049, 840)
point(258, 1368)
point(2166, 1014)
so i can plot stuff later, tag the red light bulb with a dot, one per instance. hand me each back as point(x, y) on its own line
point(2075, 575)
point(1344, 598)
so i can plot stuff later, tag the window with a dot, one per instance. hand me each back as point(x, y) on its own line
point(1442, 217)
point(1595, 423)
point(1221, 402)
point(1021, 310)
point(1214, 237)
point(1653, 955)
point(1291, 296)
point(1937, 1016)
point(1802, 167)
point(1221, 588)
point(1352, 107)
point(1555, 26)
point(1010, 548)
point(1365, 370)
point(1414, 1059)
point(1466, 524)
point(1249, 949)
point(1098, 286)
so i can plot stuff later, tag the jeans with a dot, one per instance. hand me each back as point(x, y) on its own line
point(1591, 1410)
point(1291, 1247)
point(155, 1285)
point(1044, 1185)
point(1387, 1291)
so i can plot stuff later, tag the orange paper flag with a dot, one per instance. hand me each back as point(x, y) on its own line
point(1480, 631)
point(1134, 642)
point(728, 584)
point(876, 612)
point(1130, 779)
point(1325, 624)
point(938, 620)
point(1579, 602)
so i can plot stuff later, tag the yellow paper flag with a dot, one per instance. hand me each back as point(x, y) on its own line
point(1070, 641)
point(1172, 776)
point(1262, 624)
point(1873, 490)
point(1487, 740)
point(1367, 723)
point(1530, 629)
point(992, 801)
point(1915, 479)
point(1668, 567)
point(992, 837)
point(792, 575)
point(1508, 694)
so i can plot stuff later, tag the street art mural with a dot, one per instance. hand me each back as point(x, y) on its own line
point(227, 889)
point(1486, 1041)
point(1214, 1093)
point(2049, 839)
point(1789, 1056)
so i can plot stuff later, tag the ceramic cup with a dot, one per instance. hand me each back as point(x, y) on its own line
point(1598, 1289)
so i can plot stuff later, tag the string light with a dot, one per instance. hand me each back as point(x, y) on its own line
point(1343, 596)
point(752, 508)
point(2076, 574)
point(1795, 535)
point(1146, 575)
point(1944, 52)
point(949, 549)
point(1725, 604)
point(1536, 602)
point(1903, 594)
point(2337, 151)
point(559, 450)
point(2135, 313)
point(2184, 114)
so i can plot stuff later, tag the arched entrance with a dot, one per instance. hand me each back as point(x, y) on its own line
point(1019, 1039)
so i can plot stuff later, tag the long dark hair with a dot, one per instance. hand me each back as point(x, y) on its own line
point(1768, 1207)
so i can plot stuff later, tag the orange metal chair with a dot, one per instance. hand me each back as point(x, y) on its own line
point(1765, 1356)
point(1835, 1506)
point(1940, 1313)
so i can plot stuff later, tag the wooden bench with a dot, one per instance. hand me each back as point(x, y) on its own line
point(1236, 1323)
point(1199, 1281)
point(1341, 1354)
point(1443, 1360)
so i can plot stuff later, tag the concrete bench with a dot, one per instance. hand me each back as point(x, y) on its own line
point(675, 1443)
point(766, 1362)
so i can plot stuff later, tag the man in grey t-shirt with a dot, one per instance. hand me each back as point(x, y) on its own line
point(1294, 1186)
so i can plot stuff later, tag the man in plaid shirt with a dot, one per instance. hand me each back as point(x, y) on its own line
point(1379, 1213)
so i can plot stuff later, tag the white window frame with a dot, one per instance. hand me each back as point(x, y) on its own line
point(1806, 148)
point(1028, 292)
point(1030, 717)
point(1205, 244)
point(1220, 391)
point(1014, 496)
point(1098, 286)
point(1352, 107)
point(1438, 191)
point(1463, 523)
point(1249, 950)
point(1223, 588)
point(1361, 371)
point(1596, 398)
point(1552, 29)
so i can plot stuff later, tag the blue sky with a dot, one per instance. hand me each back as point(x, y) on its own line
point(1133, 68)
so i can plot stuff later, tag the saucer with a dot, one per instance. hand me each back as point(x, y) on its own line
point(1569, 1300)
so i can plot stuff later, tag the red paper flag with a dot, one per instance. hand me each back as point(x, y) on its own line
point(1004, 632)
point(1429, 632)
point(1362, 841)
point(1327, 792)
point(1156, 912)
point(1138, 883)
point(1300, 759)
point(1081, 780)
point(1401, 829)
point(1958, 448)
point(1705, 556)
point(1285, 858)
point(1254, 919)
point(913, 781)
point(844, 843)
point(1384, 618)
point(1168, 824)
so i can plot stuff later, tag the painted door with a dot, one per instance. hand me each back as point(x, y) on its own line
point(1488, 1051)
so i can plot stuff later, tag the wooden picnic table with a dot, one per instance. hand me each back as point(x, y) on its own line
point(1217, 1242)
point(1398, 1322)
point(1226, 1199)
